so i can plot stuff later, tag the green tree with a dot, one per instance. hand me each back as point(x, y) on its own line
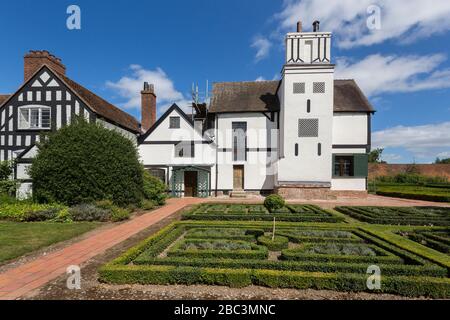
point(375, 156)
point(442, 161)
point(6, 169)
point(85, 162)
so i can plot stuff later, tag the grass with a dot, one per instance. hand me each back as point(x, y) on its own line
point(17, 239)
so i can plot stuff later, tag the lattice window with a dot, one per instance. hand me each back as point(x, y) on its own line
point(299, 87)
point(319, 87)
point(308, 128)
point(174, 122)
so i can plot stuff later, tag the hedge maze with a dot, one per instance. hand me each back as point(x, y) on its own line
point(293, 213)
point(436, 239)
point(242, 253)
point(419, 216)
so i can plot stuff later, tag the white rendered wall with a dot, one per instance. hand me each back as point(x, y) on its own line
point(259, 167)
point(308, 166)
point(350, 129)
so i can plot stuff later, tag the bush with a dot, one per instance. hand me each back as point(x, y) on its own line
point(89, 212)
point(147, 204)
point(6, 169)
point(119, 214)
point(8, 188)
point(274, 202)
point(154, 189)
point(85, 162)
point(29, 212)
point(278, 244)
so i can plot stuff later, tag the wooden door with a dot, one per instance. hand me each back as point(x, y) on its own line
point(190, 184)
point(238, 177)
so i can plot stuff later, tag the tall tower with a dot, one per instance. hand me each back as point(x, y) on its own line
point(306, 116)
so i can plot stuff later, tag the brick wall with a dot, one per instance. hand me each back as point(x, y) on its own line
point(430, 170)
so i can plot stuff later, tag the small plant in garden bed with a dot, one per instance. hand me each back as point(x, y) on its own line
point(436, 239)
point(346, 249)
point(219, 233)
point(29, 212)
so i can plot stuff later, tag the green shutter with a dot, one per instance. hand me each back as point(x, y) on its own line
point(361, 165)
point(333, 165)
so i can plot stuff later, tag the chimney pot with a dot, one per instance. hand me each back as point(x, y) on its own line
point(316, 26)
point(35, 59)
point(299, 27)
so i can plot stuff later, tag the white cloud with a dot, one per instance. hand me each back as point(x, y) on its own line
point(403, 20)
point(260, 78)
point(378, 74)
point(423, 141)
point(444, 155)
point(129, 87)
point(391, 157)
point(262, 46)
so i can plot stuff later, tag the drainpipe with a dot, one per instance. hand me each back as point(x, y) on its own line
point(217, 152)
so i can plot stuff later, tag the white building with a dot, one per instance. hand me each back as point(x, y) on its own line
point(306, 136)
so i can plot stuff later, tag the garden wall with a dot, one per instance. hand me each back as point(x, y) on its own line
point(430, 170)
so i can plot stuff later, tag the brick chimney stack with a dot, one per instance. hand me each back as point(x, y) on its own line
point(148, 106)
point(34, 60)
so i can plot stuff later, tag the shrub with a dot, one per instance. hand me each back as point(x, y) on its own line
point(89, 212)
point(85, 162)
point(274, 202)
point(105, 204)
point(119, 214)
point(8, 188)
point(28, 212)
point(279, 243)
point(147, 204)
point(154, 189)
point(6, 169)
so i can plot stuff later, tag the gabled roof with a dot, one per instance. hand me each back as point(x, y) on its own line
point(103, 107)
point(257, 96)
point(98, 105)
point(3, 98)
point(262, 96)
point(174, 107)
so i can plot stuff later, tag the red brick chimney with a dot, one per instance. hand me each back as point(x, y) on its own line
point(148, 106)
point(34, 60)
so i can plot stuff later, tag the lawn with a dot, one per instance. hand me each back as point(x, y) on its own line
point(438, 193)
point(318, 255)
point(17, 238)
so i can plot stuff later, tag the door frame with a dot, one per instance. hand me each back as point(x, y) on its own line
point(195, 184)
point(239, 166)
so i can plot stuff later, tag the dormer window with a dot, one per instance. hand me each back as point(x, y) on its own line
point(174, 123)
point(34, 118)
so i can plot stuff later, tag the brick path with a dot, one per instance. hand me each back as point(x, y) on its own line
point(19, 281)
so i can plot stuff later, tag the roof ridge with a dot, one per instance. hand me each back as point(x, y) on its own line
point(254, 81)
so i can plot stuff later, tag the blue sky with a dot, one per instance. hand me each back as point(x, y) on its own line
point(404, 66)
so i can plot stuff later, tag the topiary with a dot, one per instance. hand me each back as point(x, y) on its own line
point(274, 202)
point(85, 162)
point(154, 189)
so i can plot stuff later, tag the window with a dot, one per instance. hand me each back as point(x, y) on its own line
point(34, 117)
point(239, 141)
point(343, 166)
point(158, 173)
point(308, 106)
point(174, 122)
point(185, 149)
point(299, 87)
point(319, 87)
point(308, 128)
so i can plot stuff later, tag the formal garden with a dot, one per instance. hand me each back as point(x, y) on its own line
point(294, 246)
point(84, 176)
